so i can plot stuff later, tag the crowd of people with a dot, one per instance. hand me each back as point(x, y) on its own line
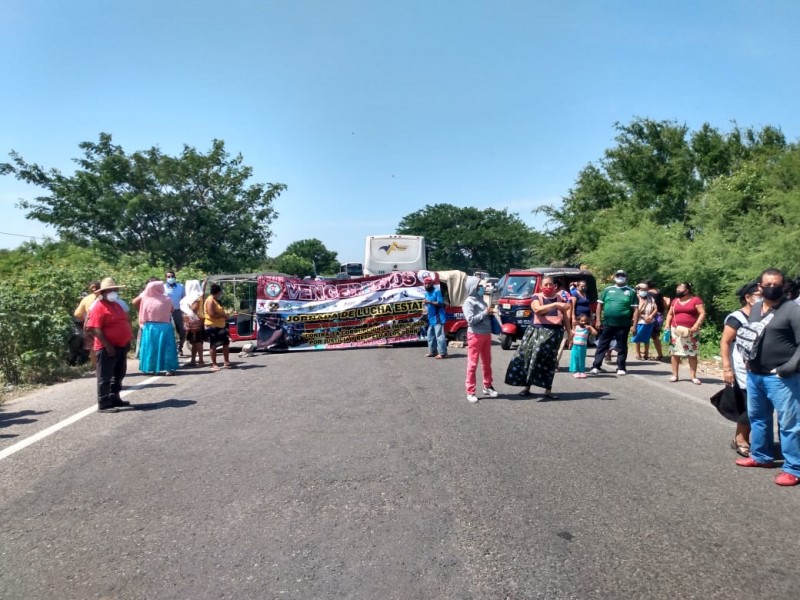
point(760, 349)
point(170, 315)
point(760, 343)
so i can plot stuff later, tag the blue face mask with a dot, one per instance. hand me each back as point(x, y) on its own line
point(481, 290)
point(171, 280)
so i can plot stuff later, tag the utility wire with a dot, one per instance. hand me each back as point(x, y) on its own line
point(33, 237)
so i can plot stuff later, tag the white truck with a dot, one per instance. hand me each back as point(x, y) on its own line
point(387, 253)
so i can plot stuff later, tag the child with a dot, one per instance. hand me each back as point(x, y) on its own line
point(580, 336)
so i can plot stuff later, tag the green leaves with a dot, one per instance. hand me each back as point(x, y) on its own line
point(40, 287)
point(714, 208)
point(315, 258)
point(468, 238)
point(190, 209)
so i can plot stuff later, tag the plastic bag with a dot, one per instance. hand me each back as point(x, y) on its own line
point(496, 327)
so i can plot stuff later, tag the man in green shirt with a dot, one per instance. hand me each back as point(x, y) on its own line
point(617, 314)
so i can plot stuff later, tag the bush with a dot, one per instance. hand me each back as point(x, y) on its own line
point(710, 336)
point(40, 286)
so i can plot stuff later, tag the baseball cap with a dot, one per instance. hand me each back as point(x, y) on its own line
point(427, 280)
point(621, 273)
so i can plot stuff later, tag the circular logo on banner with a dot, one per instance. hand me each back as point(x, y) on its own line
point(273, 290)
point(425, 273)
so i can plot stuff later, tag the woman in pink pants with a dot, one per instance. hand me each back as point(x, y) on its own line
point(479, 339)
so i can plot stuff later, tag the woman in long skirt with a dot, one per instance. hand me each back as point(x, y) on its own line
point(536, 360)
point(158, 351)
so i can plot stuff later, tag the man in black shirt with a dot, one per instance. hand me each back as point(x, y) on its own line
point(773, 381)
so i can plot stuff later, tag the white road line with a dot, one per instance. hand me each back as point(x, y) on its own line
point(68, 421)
point(671, 389)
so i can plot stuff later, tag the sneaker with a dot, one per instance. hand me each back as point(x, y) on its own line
point(595, 371)
point(472, 398)
point(491, 392)
point(576, 375)
point(583, 375)
point(620, 371)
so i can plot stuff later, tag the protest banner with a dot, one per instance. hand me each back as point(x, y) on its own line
point(299, 314)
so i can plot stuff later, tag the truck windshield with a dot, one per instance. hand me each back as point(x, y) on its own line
point(519, 287)
point(352, 269)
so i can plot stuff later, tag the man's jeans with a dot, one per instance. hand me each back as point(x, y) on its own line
point(765, 392)
point(608, 333)
point(436, 337)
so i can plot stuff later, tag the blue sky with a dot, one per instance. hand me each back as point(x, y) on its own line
point(369, 110)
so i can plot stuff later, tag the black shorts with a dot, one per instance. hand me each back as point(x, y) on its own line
point(217, 336)
point(195, 337)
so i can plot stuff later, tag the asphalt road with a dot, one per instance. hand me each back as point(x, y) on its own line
point(366, 474)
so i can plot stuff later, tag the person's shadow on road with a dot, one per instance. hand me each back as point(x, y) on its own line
point(170, 403)
point(19, 417)
point(560, 396)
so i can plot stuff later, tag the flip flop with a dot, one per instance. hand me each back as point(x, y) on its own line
point(696, 381)
point(229, 366)
point(214, 368)
point(525, 393)
point(673, 379)
point(741, 449)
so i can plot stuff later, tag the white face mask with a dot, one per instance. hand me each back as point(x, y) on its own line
point(642, 294)
point(112, 296)
point(620, 280)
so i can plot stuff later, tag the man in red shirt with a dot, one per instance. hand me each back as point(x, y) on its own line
point(109, 324)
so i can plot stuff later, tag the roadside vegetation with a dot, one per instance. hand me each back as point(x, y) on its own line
point(664, 203)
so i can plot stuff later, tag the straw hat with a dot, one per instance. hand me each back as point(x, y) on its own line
point(106, 285)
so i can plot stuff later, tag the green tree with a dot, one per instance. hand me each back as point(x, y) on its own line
point(193, 208)
point(468, 238)
point(654, 163)
point(40, 286)
point(577, 226)
point(293, 264)
point(656, 173)
point(315, 252)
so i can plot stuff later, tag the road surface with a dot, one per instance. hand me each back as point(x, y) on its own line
point(366, 474)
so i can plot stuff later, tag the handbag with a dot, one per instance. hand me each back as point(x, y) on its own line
point(682, 331)
point(730, 402)
point(497, 329)
point(192, 323)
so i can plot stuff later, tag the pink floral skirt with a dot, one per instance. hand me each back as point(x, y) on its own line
point(683, 345)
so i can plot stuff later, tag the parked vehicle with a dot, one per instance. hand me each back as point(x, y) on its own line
point(491, 282)
point(350, 271)
point(239, 299)
point(387, 253)
point(497, 290)
point(519, 285)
